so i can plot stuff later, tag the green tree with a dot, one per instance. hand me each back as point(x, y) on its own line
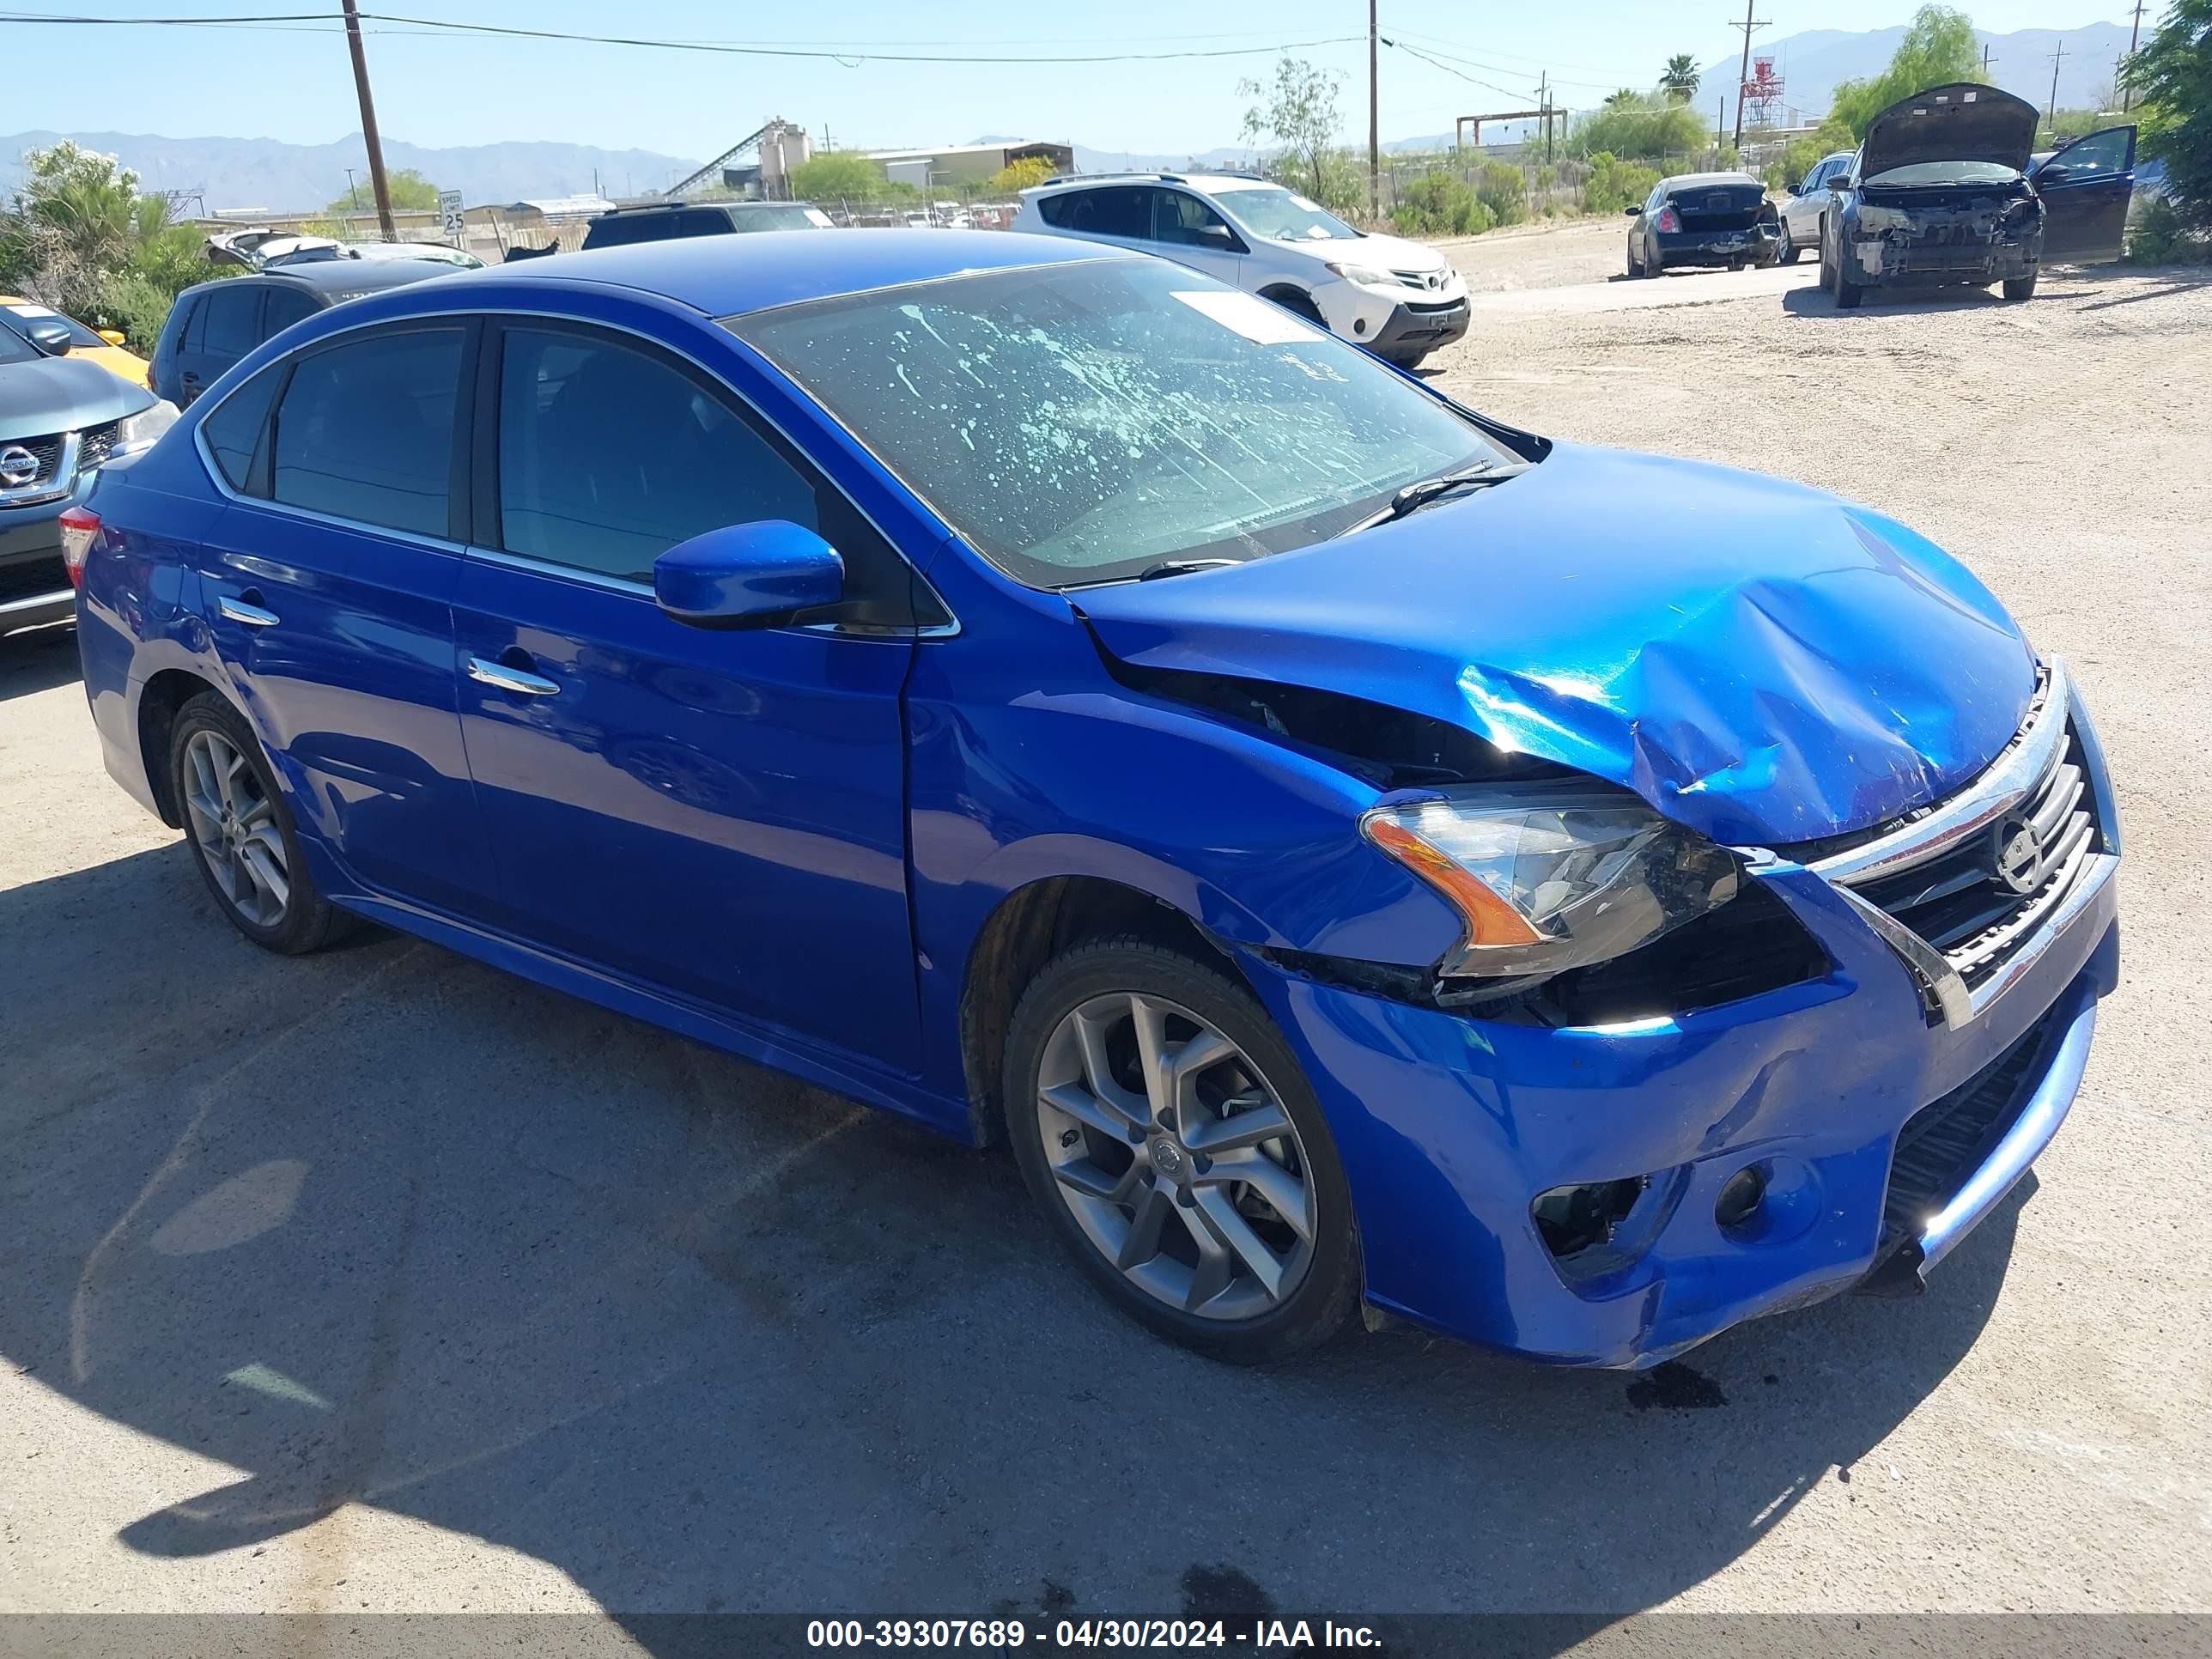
point(410, 191)
point(1642, 125)
point(1614, 185)
point(1805, 152)
point(1296, 113)
point(1016, 177)
point(1938, 49)
point(840, 175)
point(1678, 80)
point(82, 237)
point(2172, 79)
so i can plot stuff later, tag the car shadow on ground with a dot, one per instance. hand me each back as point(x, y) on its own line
point(1816, 300)
point(38, 660)
point(383, 1227)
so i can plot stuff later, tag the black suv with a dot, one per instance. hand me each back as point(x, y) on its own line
point(213, 324)
point(659, 221)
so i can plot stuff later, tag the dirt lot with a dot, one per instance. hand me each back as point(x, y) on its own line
point(379, 1280)
point(1539, 256)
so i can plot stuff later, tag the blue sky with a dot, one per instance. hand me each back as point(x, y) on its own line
point(295, 84)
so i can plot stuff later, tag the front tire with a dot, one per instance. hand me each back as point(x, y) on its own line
point(2021, 288)
point(1786, 250)
point(240, 832)
point(1847, 292)
point(1168, 1132)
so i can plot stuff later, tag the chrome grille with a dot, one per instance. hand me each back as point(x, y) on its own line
point(46, 450)
point(55, 458)
point(1968, 892)
point(95, 444)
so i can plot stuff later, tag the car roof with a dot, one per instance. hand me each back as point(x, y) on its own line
point(346, 278)
point(724, 276)
point(646, 209)
point(1709, 179)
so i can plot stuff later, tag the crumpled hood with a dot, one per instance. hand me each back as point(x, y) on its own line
point(1758, 659)
point(1958, 122)
point(64, 394)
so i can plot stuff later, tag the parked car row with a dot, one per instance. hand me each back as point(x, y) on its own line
point(1945, 192)
point(1059, 696)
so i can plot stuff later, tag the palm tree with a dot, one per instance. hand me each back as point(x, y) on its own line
point(1680, 80)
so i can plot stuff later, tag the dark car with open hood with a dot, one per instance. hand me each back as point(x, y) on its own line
point(1942, 194)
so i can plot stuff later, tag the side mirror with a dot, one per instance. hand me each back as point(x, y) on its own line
point(2051, 173)
point(745, 574)
point(51, 336)
point(1216, 236)
point(1839, 184)
point(1634, 211)
point(114, 336)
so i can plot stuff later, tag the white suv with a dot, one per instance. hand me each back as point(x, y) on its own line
point(1401, 299)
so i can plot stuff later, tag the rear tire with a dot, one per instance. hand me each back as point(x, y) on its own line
point(1129, 1185)
point(1635, 265)
point(2021, 288)
point(240, 831)
point(1787, 253)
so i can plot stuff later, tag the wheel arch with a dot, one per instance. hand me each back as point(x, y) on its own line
point(163, 694)
point(1292, 297)
point(1028, 927)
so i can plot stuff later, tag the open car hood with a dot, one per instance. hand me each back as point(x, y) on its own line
point(1958, 122)
point(1759, 660)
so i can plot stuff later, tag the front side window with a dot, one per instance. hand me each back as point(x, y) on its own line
point(608, 457)
point(365, 431)
point(1183, 218)
point(1080, 422)
point(1283, 216)
point(2099, 152)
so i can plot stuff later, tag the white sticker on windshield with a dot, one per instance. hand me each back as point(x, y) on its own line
point(24, 308)
point(1310, 207)
point(816, 216)
point(1256, 318)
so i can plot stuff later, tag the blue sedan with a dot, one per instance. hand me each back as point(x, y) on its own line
point(1043, 692)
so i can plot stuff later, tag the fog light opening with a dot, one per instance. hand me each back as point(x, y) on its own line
point(1359, 325)
point(1740, 1198)
point(1574, 1220)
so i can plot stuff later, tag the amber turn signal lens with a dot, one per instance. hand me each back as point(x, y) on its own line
point(1490, 919)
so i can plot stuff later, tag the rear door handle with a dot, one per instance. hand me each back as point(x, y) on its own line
point(251, 615)
point(508, 679)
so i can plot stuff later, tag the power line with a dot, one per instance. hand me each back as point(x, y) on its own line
point(849, 56)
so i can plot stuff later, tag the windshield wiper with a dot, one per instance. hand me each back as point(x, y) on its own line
point(1422, 491)
point(1182, 567)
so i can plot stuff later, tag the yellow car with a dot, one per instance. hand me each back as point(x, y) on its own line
point(101, 346)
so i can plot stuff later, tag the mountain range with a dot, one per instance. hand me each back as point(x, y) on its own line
point(274, 176)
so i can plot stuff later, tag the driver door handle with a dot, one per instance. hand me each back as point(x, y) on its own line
point(508, 679)
point(251, 615)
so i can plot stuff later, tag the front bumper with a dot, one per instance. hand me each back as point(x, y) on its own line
point(1394, 319)
point(1757, 245)
point(1903, 262)
point(1449, 1127)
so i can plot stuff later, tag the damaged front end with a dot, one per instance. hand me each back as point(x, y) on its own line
point(1974, 234)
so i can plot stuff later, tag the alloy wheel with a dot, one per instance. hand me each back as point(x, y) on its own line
point(235, 826)
point(1175, 1158)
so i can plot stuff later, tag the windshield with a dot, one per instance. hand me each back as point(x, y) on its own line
point(1947, 172)
point(1283, 216)
point(21, 314)
point(1080, 422)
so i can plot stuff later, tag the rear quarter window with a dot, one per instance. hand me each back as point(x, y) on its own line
point(233, 428)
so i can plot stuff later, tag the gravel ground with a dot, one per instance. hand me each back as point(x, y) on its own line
point(1539, 256)
point(379, 1280)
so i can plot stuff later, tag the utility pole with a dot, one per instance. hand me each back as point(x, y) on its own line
point(1743, 72)
point(2051, 116)
point(1374, 124)
point(2128, 92)
point(1544, 103)
point(1985, 63)
point(376, 183)
point(353, 191)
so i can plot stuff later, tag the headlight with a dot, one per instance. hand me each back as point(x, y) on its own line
point(1553, 877)
point(134, 432)
point(1367, 275)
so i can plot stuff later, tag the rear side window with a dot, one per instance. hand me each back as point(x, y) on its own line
point(286, 307)
point(702, 221)
point(607, 458)
point(229, 323)
point(233, 430)
point(1123, 210)
point(619, 232)
point(365, 431)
